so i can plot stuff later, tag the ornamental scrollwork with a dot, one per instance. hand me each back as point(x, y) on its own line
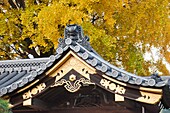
point(72, 87)
point(38, 89)
point(112, 86)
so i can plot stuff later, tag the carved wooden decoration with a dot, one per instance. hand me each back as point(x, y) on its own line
point(72, 87)
point(38, 89)
point(68, 63)
point(112, 86)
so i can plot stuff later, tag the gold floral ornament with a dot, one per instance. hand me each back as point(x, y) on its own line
point(36, 90)
point(72, 78)
point(112, 86)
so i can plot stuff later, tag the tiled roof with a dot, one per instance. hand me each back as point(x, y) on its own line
point(17, 73)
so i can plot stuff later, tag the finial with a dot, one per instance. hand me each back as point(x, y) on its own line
point(73, 32)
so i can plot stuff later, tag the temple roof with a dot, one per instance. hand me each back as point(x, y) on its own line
point(17, 73)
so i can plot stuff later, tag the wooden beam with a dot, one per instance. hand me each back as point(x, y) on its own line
point(101, 109)
point(119, 98)
point(36, 104)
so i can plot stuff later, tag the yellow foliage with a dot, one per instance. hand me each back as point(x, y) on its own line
point(115, 27)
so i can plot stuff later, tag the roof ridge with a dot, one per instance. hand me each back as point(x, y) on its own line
point(23, 60)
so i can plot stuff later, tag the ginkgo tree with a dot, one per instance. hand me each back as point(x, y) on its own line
point(121, 31)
